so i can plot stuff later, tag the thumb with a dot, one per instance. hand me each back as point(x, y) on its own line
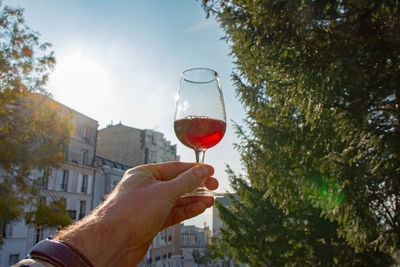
point(189, 180)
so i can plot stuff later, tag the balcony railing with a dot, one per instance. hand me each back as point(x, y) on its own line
point(79, 158)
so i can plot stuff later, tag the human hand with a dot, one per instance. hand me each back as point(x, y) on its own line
point(147, 200)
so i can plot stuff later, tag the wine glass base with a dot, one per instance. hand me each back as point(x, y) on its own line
point(199, 191)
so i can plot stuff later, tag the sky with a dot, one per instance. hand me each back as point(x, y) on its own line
point(120, 61)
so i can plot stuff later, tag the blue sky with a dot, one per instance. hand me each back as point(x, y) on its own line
point(121, 61)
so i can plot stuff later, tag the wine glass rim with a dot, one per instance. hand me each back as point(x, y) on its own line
point(206, 69)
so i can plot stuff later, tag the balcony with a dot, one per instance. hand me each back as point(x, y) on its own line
point(79, 158)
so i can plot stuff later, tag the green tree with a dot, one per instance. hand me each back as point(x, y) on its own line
point(320, 84)
point(33, 130)
point(218, 250)
point(258, 233)
point(205, 257)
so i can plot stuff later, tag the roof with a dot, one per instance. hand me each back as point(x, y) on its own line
point(100, 161)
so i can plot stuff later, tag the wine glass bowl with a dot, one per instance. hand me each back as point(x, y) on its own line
point(200, 117)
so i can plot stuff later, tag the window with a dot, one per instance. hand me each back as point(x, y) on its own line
point(72, 214)
point(189, 239)
point(13, 259)
point(38, 235)
point(7, 230)
point(84, 183)
point(153, 157)
point(86, 133)
point(82, 209)
point(43, 177)
point(44, 181)
point(42, 200)
point(64, 181)
point(84, 157)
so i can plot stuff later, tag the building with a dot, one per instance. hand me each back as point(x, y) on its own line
point(95, 162)
point(173, 247)
point(218, 224)
point(108, 173)
point(216, 220)
point(165, 251)
point(133, 147)
point(73, 182)
point(193, 239)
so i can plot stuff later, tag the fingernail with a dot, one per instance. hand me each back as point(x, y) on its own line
point(201, 171)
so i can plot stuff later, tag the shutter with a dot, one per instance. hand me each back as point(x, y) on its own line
point(79, 188)
point(52, 179)
point(89, 184)
point(58, 179)
point(69, 185)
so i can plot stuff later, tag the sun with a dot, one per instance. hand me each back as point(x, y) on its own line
point(79, 78)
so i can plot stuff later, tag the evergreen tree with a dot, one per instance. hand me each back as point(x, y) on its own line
point(258, 233)
point(320, 84)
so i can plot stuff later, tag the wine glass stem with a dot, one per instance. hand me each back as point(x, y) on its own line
point(200, 155)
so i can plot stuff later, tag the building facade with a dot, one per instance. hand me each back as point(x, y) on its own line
point(218, 224)
point(133, 147)
point(95, 162)
point(165, 251)
point(73, 182)
point(108, 173)
point(193, 239)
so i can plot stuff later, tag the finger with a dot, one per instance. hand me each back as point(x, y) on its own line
point(185, 201)
point(169, 170)
point(189, 180)
point(211, 183)
point(163, 171)
point(179, 214)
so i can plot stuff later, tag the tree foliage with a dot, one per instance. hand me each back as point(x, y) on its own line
point(34, 132)
point(49, 215)
point(258, 233)
point(320, 84)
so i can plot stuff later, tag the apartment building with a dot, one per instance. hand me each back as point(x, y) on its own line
point(174, 246)
point(133, 147)
point(164, 251)
point(95, 162)
point(218, 224)
point(108, 173)
point(72, 182)
point(193, 238)
point(216, 220)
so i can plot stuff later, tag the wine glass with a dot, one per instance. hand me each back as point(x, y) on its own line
point(200, 119)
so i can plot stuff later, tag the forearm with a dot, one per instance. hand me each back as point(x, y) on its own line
point(94, 236)
point(120, 230)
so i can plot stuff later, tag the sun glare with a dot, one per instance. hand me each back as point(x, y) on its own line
point(78, 79)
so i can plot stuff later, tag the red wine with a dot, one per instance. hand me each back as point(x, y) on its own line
point(199, 132)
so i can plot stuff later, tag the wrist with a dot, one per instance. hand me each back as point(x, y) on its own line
point(58, 254)
point(93, 237)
